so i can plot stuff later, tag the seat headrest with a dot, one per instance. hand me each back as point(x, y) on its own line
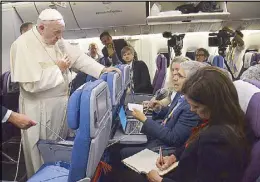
point(247, 59)
point(125, 70)
point(191, 55)
point(161, 61)
point(218, 61)
point(249, 100)
point(73, 108)
point(114, 81)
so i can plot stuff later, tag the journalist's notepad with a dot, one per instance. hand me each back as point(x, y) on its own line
point(132, 106)
point(145, 161)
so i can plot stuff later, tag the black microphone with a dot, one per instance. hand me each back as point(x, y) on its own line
point(161, 94)
point(167, 34)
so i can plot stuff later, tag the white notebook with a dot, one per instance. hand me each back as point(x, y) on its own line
point(145, 161)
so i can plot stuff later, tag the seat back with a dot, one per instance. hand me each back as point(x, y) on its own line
point(249, 99)
point(114, 81)
point(125, 69)
point(94, 125)
point(160, 74)
point(218, 61)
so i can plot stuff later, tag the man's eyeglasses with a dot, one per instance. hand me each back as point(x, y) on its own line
point(199, 55)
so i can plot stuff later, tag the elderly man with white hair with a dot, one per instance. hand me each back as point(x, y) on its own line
point(40, 62)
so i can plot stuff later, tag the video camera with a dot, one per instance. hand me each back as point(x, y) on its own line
point(220, 39)
point(174, 41)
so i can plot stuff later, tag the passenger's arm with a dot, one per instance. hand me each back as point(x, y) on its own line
point(161, 114)
point(178, 134)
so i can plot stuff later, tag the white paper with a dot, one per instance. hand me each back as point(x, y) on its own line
point(138, 107)
point(145, 161)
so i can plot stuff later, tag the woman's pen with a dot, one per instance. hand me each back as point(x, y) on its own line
point(161, 156)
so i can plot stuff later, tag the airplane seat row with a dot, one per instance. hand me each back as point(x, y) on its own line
point(249, 99)
point(90, 113)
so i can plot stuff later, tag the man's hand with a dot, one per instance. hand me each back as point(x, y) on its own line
point(166, 162)
point(153, 176)
point(139, 115)
point(63, 64)
point(155, 105)
point(110, 69)
point(21, 121)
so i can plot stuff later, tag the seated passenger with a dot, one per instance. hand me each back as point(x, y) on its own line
point(178, 120)
point(93, 52)
point(202, 55)
point(252, 73)
point(219, 149)
point(169, 84)
point(141, 82)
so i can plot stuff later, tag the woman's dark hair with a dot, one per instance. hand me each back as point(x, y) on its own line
point(211, 87)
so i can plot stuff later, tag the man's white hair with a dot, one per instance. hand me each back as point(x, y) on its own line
point(168, 81)
point(49, 15)
point(191, 67)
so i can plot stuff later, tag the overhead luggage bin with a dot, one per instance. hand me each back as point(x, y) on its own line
point(168, 14)
point(109, 14)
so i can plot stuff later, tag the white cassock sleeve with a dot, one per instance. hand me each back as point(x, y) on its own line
point(50, 78)
point(82, 62)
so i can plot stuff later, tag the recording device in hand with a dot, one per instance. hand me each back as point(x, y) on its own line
point(161, 94)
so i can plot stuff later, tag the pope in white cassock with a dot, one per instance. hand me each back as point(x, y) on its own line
point(40, 62)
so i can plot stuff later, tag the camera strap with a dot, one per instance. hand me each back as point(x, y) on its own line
point(225, 61)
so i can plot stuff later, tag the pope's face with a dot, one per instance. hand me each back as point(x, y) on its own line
point(52, 31)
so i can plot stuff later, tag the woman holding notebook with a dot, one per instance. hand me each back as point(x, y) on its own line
point(219, 149)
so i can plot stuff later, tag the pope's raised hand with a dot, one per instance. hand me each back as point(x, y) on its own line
point(63, 64)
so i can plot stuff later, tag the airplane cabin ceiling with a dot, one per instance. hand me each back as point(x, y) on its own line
point(70, 21)
point(27, 11)
point(89, 19)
